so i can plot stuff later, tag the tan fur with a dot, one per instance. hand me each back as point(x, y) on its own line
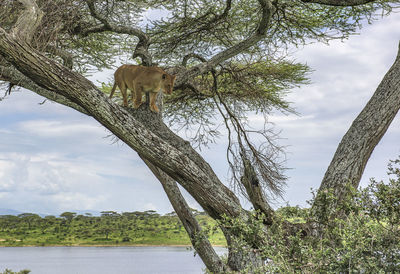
point(142, 79)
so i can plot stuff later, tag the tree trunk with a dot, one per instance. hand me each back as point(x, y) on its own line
point(360, 140)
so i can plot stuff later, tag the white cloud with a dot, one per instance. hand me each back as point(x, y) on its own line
point(23, 101)
point(48, 128)
point(57, 182)
point(4, 131)
point(77, 200)
point(16, 167)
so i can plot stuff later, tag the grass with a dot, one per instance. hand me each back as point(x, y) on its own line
point(105, 230)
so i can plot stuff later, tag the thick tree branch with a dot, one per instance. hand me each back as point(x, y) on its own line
point(343, 3)
point(187, 57)
point(199, 241)
point(364, 134)
point(14, 77)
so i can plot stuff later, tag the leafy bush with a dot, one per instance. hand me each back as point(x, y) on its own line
point(363, 236)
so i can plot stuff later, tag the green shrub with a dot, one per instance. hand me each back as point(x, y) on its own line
point(363, 236)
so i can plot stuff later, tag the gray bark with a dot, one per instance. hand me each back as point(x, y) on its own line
point(364, 134)
point(245, 256)
point(13, 76)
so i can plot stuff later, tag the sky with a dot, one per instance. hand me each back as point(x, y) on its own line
point(54, 159)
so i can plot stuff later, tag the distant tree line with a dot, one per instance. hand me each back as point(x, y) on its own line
point(147, 227)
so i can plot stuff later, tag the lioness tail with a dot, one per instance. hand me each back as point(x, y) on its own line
point(113, 90)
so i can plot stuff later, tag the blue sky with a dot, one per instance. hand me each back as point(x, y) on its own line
point(53, 159)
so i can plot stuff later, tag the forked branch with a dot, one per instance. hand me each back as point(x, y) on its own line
point(142, 46)
point(27, 22)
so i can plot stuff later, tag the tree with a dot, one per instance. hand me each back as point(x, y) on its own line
point(230, 58)
point(30, 218)
point(109, 214)
point(8, 221)
point(68, 216)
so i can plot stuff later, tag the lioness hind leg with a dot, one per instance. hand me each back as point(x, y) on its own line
point(138, 97)
point(122, 87)
point(153, 97)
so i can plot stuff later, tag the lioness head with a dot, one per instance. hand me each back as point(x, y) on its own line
point(168, 83)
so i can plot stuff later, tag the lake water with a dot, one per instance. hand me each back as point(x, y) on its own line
point(99, 260)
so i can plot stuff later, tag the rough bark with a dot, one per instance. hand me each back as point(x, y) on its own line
point(14, 77)
point(199, 241)
point(243, 256)
point(363, 135)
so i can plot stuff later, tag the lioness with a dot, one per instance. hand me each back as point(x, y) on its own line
point(142, 79)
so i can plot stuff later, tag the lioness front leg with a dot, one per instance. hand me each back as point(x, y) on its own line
point(153, 97)
point(138, 97)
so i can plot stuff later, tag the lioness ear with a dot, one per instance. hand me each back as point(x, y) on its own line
point(164, 76)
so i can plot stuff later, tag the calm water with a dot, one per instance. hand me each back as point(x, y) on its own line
point(99, 260)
